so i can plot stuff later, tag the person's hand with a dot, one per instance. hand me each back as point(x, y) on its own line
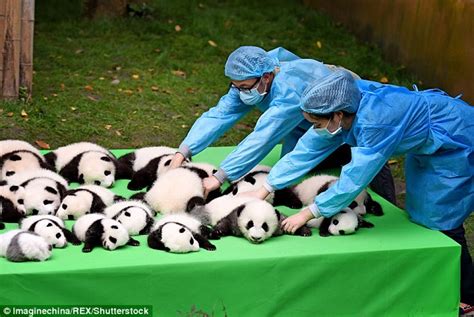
point(260, 193)
point(293, 223)
point(210, 183)
point(177, 160)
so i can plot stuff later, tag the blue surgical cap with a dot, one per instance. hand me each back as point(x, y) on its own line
point(249, 62)
point(336, 92)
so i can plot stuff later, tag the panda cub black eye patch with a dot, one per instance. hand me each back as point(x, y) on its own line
point(265, 227)
point(14, 188)
point(335, 222)
point(47, 202)
point(181, 230)
point(105, 158)
point(249, 225)
point(107, 173)
point(114, 227)
point(21, 201)
point(191, 241)
point(113, 240)
point(49, 224)
point(127, 214)
point(10, 173)
point(64, 206)
point(58, 235)
point(97, 183)
point(168, 162)
point(51, 190)
point(15, 157)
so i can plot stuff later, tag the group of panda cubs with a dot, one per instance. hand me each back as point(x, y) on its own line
point(34, 192)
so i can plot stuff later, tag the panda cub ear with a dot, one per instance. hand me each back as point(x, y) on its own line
point(14, 188)
point(238, 210)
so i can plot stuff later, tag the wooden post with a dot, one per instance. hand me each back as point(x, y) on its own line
point(11, 51)
point(26, 52)
point(3, 28)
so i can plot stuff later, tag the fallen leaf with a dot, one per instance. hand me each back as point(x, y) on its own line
point(117, 132)
point(79, 51)
point(176, 116)
point(24, 114)
point(139, 89)
point(63, 120)
point(73, 108)
point(108, 126)
point(62, 86)
point(89, 88)
point(177, 28)
point(201, 6)
point(179, 73)
point(212, 43)
point(184, 126)
point(115, 82)
point(135, 76)
point(101, 78)
point(384, 80)
point(157, 50)
point(155, 88)
point(45, 98)
point(43, 145)
point(54, 95)
point(93, 98)
point(1, 110)
point(128, 92)
point(151, 70)
point(318, 44)
point(10, 114)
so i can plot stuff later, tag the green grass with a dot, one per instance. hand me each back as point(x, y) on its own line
point(72, 53)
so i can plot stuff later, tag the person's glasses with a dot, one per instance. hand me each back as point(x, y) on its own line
point(231, 85)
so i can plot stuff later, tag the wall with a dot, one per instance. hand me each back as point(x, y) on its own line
point(433, 38)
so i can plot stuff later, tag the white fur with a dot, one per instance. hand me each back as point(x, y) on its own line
point(36, 197)
point(243, 186)
point(308, 189)
point(347, 221)
point(66, 153)
point(116, 230)
point(28, 162)
point(171, 191)
point(93, 169)
point(83, 223)
point(176, 241)
point(75, 205)
point(208, 168)
point(131, 214)
point(144, 155)
point(263, 217)
point(32, 246)
point(222, 206)
point(47, 227)
point(8, 146)
point(183, 218)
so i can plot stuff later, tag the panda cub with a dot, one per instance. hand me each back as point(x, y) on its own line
point(147, 163)
point(51, 228)
point(12, 208)
point(177, 190)
point(134, 215)
point(251, 181)
point(97, 230)
point(16, 156)
point(87, 163)
point(179, 233)
point(86, 199)
point(44, 190)
point(20, 245)
point(254, 219)
point(347, 221)
point(304, 194)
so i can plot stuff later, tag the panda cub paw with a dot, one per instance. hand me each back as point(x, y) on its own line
point(132, 242)
point(2, 226)
point(304, 232)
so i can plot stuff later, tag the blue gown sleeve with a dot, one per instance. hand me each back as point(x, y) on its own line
point(213, 123)
point(310, 150)
point(273, 125)
point(375, 145)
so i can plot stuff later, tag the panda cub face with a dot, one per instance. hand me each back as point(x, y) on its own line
point(51, 233)
point(343, 223)
point(96, 168)
point(178, 239)
point(12, 198)
point(257, 221)
point(115, 235)
point(19, 162)
point(43, 197)
point(74, 205)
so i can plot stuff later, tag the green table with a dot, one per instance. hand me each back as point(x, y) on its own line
point(395, 269)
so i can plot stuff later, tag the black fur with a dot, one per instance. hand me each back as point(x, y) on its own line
point(93, 236)
point(51, 159)
point(373, 207)
point(193, 202)
point(122, 171)
point(9, 213)
point(287, 197)
point(70, 170)
point(146, 176)
point(13, 156)
point(138, 196)
point(324, 227)
point(154, 241)
point(324, 187)
point(199, 171)
point(132, 242)
point(128, 159)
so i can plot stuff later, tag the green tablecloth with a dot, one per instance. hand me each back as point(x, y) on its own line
point(395, 269)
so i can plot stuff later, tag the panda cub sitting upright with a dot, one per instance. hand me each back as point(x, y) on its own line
point(44, 190)
point(21, 245)
point(97, 230)
point(87, 163)
point(134, 215)
point(86, 199)
point(254, 219)
point(19, 156)
point(51, 228)
point(147, 163)
point(12, 208)
point(179, 233)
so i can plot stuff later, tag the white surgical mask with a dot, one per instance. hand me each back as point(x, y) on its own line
point(252, 96)
point(325, 133)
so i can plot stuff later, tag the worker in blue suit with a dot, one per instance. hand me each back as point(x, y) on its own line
point(273, 82)
point(432, 129)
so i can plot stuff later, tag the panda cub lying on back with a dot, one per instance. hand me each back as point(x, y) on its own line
point(254, 219)
point(19, 156)
point(97, 230)
point(87, 163)
point(21, 245)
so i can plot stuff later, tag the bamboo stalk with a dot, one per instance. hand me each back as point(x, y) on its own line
point(3, 22)
point(11, 69)
point(26, 50)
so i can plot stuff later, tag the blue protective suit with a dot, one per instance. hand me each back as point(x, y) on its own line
point(282, 118)
point(435, 131)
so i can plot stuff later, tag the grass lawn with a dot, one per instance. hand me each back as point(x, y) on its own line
point(134, 82)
